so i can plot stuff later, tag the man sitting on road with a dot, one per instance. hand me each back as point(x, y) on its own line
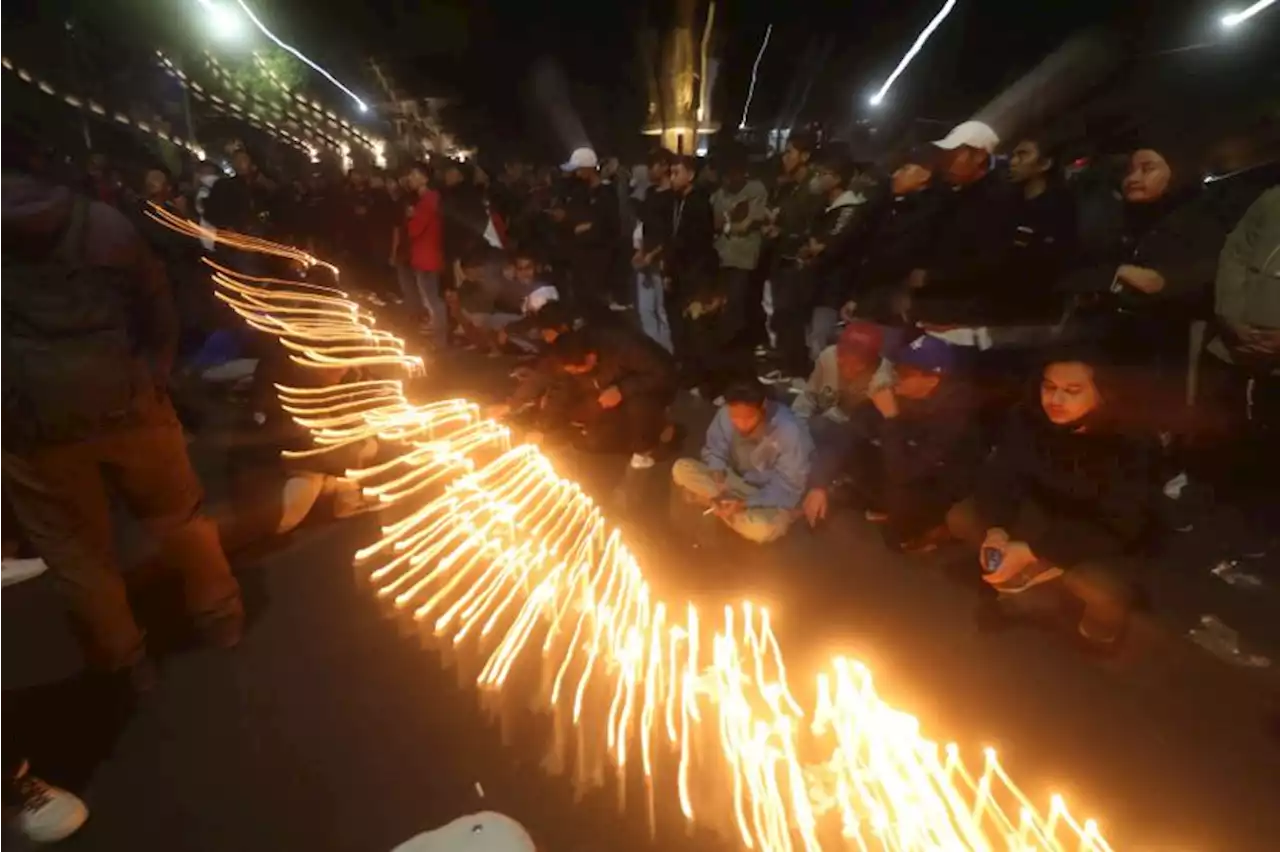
point(846, 372)
point(911, 453)
point(754, 466)
point(614, 385)
point(1067, 496)
point(491, 295)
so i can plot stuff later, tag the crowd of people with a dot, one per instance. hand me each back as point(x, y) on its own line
point(962, 351)
point(959, 348)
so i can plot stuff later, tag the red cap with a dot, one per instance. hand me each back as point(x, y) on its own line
point(860, 339)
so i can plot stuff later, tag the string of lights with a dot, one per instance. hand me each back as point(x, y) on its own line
point(230, 106)
point(515, 572)
point(339, 127)
point(96, 109)
point(229, 23)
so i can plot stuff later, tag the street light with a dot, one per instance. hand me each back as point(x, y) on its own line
point(1233, 19)
point(229, 23)
point(226, 23)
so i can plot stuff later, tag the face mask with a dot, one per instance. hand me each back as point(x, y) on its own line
point(815, 185)
point(208, 180)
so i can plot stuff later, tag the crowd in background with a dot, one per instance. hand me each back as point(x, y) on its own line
point(975, 341)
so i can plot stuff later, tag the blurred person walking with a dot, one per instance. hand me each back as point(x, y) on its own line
point(89, 339)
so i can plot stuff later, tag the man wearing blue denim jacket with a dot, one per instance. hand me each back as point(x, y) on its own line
point(754, 467)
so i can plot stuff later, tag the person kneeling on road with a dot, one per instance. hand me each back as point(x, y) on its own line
point(846, 373)
point(754, 465)
point(614, 384)
point(1067, 495)
point(910, 451)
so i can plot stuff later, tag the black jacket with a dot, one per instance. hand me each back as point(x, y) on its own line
point(625, 357)
point(897, 236)
point(1178, 238)
point(929, 434)
point(1095, 487)
point(105, 335)
point(597, 207)
point(968, 239)
point(798, 206)
point(655, 218)
point(837, 229)
point(464, 219)
point(1041, 240)
point(692, 248)
point(241, 203)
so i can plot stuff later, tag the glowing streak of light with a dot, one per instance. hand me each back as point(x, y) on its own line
point(755, 70)
point(512, 566)
point(1243, 15)
point(915, 48)
point(283, 45)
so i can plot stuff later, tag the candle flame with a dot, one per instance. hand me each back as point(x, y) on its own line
point(512, 566)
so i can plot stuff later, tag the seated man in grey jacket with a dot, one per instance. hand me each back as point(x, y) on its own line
point(754, 465)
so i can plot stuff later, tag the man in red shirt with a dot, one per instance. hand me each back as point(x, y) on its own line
point(426, 256)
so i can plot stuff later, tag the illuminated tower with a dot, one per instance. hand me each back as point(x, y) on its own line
point(680, 72)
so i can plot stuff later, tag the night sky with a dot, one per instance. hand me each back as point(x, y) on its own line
point(482, 51)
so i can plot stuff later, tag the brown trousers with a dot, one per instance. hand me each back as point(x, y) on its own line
point(59, 496)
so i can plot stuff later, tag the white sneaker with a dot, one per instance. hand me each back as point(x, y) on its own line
point(775, 377)
point(18, 570)
point(718, 402)
point(641, 461)
point(615, 306)
point(761, 351)
point(48, 814)
point(695, 393)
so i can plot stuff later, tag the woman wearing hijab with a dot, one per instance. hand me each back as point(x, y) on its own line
point(1149, 260)
point(1066, 497)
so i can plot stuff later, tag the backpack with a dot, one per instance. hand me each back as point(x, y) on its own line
point(71, 366)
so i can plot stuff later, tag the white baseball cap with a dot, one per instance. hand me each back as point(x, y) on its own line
point(581, 158)
point(482, 832)
point(973, 134)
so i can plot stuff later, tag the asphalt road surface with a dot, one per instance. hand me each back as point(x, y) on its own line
point(330, 729)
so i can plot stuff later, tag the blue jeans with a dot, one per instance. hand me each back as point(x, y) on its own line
point(429, 292)
point(652, 308)
point(408, 281)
